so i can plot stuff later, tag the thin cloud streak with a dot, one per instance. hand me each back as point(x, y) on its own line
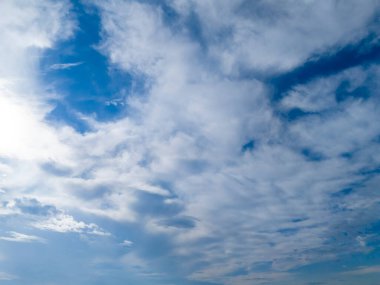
point(63, 66)
point(19, 237)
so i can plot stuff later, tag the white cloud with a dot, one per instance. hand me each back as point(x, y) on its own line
point(64, 223)
point(319, 95)
point(244, 279)
point(18, 237)
point(44, 217)
point(364, 270)
point(6, 276)
point(268, 206)
point(141, 43)
point(341, 128)
point(24, 134)
point(127, 243)
point(141, 27)
point(267, 35)
point(61, 66)
point(183, 142)
point(27, 27)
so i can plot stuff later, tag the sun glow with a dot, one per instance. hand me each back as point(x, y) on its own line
point(23, 134)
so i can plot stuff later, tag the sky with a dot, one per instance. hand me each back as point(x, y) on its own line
point(189, 142)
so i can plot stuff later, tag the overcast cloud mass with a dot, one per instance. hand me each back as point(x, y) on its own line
point(189, 142)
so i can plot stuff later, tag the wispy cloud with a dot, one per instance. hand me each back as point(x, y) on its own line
point(18, 237)
point(65, 223)
point(271, 218)
point(62, 66)
point(7, 277)
point(364, 270)
point(127, 243)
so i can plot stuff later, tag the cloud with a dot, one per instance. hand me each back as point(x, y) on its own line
point(33, 207)
point(267, 36)
point(244, 279)
point(24, 133)
point(127, 243)
point(272, 204)
point(141, 267)
point(18, 237)
point(65, 224)
point(364, 270)
point(46, 217)
point(143, 26)
point(63, 66)
point(41, 26)
point(175, 166)
point(7, 277)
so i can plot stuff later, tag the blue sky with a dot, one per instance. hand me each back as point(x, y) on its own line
point(189, 142)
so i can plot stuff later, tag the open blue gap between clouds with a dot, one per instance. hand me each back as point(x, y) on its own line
point(362, 53)
point(89, 86)
point(94, 88)
point(78, 70)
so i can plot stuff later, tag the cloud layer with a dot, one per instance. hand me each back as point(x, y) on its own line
point(237, 178)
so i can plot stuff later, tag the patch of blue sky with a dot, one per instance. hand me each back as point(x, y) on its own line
point(34, 207)
point(190, 25)
point(149, 246)
point(239, 272)
point(344, 192)
point(373, 171)
point(78, 71)
point(298, 220)
point(362, 53)
point(84, 260)
point(312, 155)
point(195, 32)
point(154, 205)
point(295, 114)
point(179, 222)
point(249, 146)
point(343, 92)
point(344, 263)
point(288, 231)
point(75, 261)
